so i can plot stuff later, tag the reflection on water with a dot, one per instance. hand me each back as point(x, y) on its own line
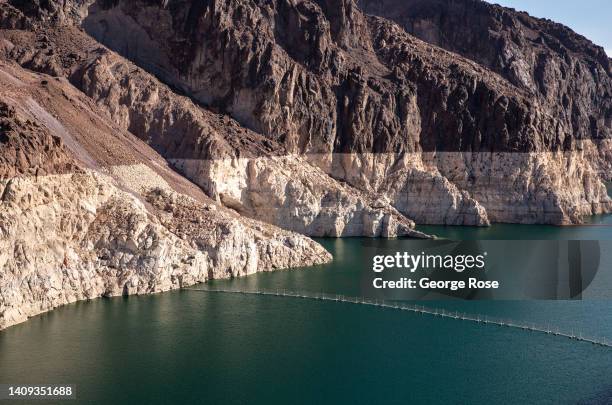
point(191, 347)
point(186, 347)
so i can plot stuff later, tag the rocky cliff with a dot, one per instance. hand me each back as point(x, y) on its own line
point(234, 165)
point(387, 113)
point(565, 71)
point(88, 210)
point(151, 144)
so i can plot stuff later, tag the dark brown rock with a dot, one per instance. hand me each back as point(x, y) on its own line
point(321, 75)
point(440, 126)
point(565, 71)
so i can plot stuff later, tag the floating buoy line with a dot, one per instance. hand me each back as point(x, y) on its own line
point(418, 309)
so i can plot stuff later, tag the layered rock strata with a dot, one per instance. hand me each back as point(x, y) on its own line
point(88, 210)
point(325, 78)
point(283, 117)
point(234, 165)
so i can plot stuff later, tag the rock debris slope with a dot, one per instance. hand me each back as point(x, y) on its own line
point(88, 210)
point(388, 113)
point(236, 166)
point(147, 145)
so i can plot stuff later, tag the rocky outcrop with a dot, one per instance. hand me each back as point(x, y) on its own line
point(410, 181)
point(241, 169)
point(283, 118)
point(27, 149)
point(385, 93)
point(289, 192)
point(78, 236)
point(232, 164)
point(87, 210)
point(566, 72)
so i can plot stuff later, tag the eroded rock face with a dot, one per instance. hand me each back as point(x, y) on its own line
point(333, 96)
point(359, 84)
point(71, 237)
point(354, 72)
point(355, 97)
point(564, 70)
point(413, 185)
point(88, 210)
point(27, 149)
point(232, 164)
point(289, 192)
point(325, 117)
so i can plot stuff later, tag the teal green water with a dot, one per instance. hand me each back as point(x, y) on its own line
point(213, 348)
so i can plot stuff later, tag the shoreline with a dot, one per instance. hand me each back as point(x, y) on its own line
point(466, 230)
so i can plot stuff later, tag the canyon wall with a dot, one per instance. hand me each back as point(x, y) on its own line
point(325, 79)
point(565, 71)
point(88, 210)
point(153, 144)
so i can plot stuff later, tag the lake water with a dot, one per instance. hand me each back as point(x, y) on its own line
point(190, 346)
